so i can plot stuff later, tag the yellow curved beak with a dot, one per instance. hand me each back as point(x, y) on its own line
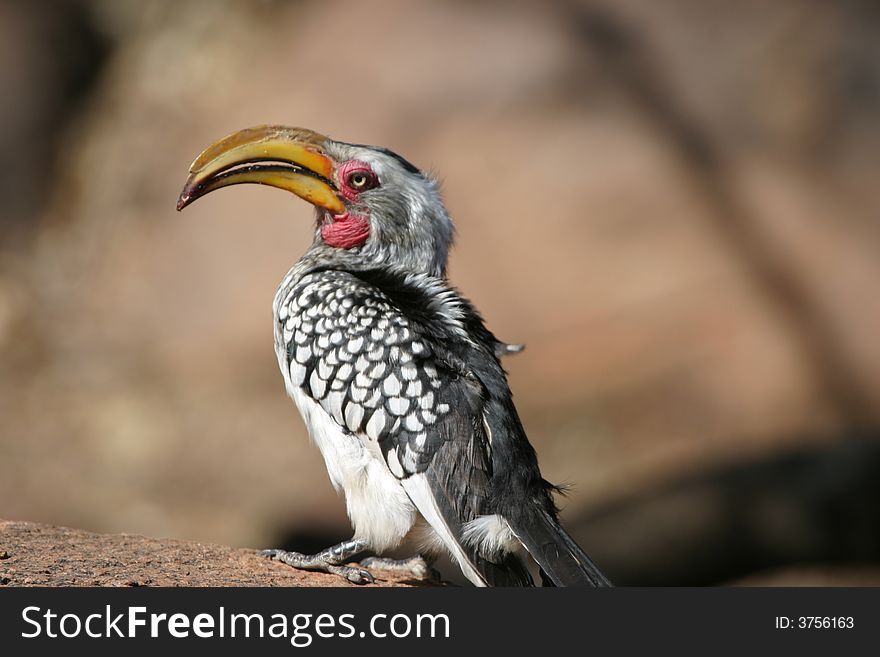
point(278, 156)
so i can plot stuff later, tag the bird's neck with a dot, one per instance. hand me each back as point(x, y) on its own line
point(368, 257)
point(318, 259)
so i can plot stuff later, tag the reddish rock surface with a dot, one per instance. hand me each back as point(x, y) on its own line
point(32, 554)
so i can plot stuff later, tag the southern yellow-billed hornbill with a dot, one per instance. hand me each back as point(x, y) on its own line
point(396, 376)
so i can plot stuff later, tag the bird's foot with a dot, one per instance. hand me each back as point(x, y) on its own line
point(332, 560)
point(416, 566)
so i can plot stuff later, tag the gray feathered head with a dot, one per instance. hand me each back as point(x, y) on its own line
point(373, 207)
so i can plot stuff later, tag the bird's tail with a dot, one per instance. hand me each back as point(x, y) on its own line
point(560, 558)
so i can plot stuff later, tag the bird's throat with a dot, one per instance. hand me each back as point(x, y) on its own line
point(346, 231)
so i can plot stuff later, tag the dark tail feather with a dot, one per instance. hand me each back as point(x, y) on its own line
point(560, 558)
point(511, 571)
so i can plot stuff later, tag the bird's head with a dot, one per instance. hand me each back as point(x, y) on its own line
point(373, 207)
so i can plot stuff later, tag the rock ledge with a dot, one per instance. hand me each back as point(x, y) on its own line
point(32, 554)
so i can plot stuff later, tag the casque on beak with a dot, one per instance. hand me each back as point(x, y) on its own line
point(287, 158)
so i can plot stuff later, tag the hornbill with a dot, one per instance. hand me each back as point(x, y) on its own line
point(394, 372)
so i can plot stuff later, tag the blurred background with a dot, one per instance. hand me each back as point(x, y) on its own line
point(674, 205)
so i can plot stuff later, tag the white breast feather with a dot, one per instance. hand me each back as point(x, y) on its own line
point(378, 506)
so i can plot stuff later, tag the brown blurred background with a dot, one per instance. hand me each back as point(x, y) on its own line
point(674, 205)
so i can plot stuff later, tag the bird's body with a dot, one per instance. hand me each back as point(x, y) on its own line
point(380, 366)
point(398, 380)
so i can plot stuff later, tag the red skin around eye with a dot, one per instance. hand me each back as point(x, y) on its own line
point(348, 230)
point(345, 171)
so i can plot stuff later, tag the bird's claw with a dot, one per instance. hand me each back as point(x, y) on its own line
point(352, 574)
point(316, 563)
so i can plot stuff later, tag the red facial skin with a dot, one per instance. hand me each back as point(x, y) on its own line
point(348, 230)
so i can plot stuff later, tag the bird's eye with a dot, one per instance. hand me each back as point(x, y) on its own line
point(361, 180)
